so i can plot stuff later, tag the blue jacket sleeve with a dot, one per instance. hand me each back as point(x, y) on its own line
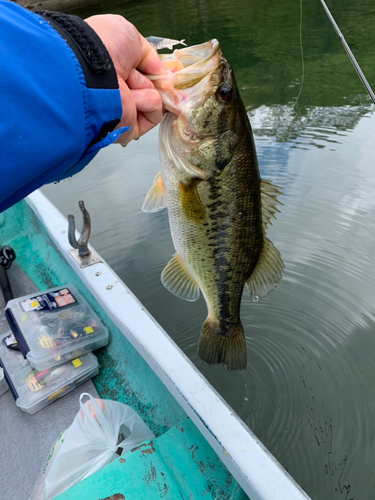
point(59, 99)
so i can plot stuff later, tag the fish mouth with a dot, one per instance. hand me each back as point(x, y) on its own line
point(193, 74)
point(188, 77)
point(189, 66)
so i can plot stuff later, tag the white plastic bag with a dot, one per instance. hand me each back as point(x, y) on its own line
point(91, 442)
point(39, 485)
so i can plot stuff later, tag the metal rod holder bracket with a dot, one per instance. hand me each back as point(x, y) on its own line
point(81, 244)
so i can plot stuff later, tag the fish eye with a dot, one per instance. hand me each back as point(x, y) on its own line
point(225, 92)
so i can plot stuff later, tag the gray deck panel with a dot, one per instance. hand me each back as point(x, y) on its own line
point(25, 440)
point(21, 285)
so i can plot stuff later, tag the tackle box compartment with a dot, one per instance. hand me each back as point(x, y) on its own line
point(33, 389)
point(55, 326)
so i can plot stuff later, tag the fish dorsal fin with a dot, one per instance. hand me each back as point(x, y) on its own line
point(269, 193)
point(268, 271)
point(155, 198)
point(178, 281)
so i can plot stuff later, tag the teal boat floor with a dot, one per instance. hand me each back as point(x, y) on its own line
point(178, 465)
point(25, 440)
point(124, 376)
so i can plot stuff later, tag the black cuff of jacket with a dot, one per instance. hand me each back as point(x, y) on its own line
point(92, 55)
point(95, 61)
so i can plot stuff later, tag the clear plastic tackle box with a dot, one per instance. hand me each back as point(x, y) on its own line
point(3, 383)
point(54, 326)
point(33, 389)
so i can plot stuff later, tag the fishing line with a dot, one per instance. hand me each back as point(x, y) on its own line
point(303, 63)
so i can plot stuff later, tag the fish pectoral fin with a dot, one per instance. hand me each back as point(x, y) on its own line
point(191, 203)
point(268, 271)
point(178, 281)
point(269, 193)
point(155, 198)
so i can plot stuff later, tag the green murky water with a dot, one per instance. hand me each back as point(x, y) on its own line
point(309, 390)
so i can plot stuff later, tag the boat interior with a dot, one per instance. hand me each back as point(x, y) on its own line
point(201, 449)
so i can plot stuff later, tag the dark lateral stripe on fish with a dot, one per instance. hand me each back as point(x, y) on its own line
point(222, 266)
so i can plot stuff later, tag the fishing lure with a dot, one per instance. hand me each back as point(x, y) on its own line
point(164, 43)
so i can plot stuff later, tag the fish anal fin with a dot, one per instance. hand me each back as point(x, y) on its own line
point(190, 201)
point(268, 271)
point(155, 198)
point(269, 193)
point(178, 281)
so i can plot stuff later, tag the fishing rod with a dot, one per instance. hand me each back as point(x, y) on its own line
point(350, 53)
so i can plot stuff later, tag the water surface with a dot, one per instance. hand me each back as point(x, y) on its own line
point(309, 390)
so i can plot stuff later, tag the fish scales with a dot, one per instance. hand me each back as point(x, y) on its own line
point(211, 185)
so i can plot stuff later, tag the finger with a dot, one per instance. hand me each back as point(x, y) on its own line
point(129, 109)
point(148, 102)
point(124, 138)
point(144, 124)
point(150, 63)
point(137, 81)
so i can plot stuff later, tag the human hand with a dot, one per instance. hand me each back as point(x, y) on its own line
point(131, 54)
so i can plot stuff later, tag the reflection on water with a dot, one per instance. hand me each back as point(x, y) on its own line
point(316, 126)
point(308, 391)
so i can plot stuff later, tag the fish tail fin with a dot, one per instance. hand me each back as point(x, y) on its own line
point(229, 349)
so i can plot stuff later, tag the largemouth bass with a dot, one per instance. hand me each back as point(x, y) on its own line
point(218, 206)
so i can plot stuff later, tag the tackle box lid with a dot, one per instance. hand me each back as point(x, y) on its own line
point(54, 326)
point(33, 390)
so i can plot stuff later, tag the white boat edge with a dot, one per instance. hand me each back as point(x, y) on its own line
point(253, 466)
